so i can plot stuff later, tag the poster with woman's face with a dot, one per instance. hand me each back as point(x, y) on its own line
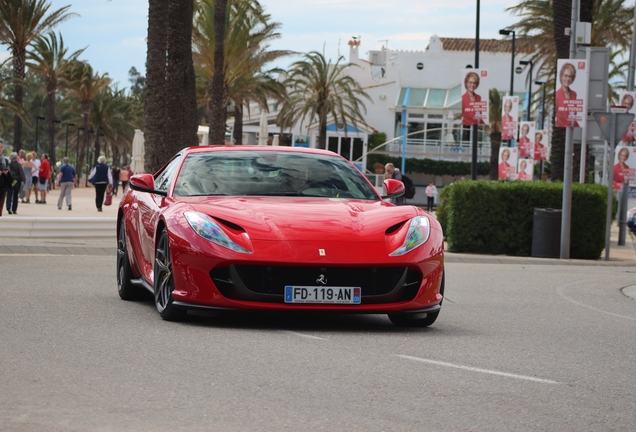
point(508, 163)
point(627, 99)
point(475, 96)
point(526, 139)
point(571, 94)
point(509, 117)
point(525, 169)
point(624, 165)
point(541, 145)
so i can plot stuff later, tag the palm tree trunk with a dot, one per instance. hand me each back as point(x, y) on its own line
point(19, 59)
point(238, 122)
point(154, 108)
point(84, 147)
point(218, 93)
point(322, 128)
point(180, 98)
point(495, 144)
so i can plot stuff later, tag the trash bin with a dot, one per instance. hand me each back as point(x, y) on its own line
point(546, 233)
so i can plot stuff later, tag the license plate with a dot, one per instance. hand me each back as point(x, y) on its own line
point(309, 294)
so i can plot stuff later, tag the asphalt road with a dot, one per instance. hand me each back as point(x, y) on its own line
point(515, 348)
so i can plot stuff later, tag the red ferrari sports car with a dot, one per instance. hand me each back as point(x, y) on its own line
point(279, 229)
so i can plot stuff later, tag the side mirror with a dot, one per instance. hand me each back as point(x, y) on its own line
point(145, 183)
point(393, 188)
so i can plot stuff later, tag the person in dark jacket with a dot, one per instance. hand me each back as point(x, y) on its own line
point(18, 177)
point(101, 177)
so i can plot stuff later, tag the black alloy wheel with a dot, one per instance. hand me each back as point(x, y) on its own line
point(164, 281)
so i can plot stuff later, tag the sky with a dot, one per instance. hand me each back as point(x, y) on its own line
point(113, 32)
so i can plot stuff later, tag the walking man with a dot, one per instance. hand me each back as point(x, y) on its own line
point(66, 180)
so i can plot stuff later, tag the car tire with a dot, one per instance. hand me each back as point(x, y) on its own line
point(415, 320)
point(127, 291)
point(164, 281)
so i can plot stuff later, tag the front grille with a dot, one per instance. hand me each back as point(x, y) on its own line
point(267, 283)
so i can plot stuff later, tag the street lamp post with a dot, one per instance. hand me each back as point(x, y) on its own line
point(88, 156)
point(52, 156)
point(507, 32)
point(66, 149)
point(528, 62)
point(36, 131)
point(78, 168)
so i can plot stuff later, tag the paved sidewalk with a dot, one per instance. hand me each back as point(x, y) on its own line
point(83, 199)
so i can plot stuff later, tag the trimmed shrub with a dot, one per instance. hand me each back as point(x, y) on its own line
point(430, 166)
point(494, 217)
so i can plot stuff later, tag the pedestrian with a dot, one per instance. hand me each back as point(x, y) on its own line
point(17, 175)
point(5, 181)
point(431, 191)
point(21, 156)
point(66, 180)
point(100, 177)
point(390, 172)
point(115, 171)
point(124, 176)
point(28, 166)
point(34, 175)
point(43, 178)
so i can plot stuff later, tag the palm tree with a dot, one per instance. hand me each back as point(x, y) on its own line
point(494, 115)
point(48, 58)
point(111, 115)
point(319, 90)
point(83, 85)
point(249, 30)
point(10, 104)
point(21, 21)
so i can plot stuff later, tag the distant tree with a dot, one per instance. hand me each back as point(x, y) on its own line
point(249, 31)
point(48, 57)
point(21, 21)
point(84, 85)
point(137, 84)
point(319, 90)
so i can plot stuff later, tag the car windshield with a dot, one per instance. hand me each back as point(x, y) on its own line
point(270, 173)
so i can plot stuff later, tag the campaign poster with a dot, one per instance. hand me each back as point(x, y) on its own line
point(541, 145)
point(509, 117)
point(624, 165)
point(475, 97)
point(627, 100)
point(525, 169)
point(526, 139)
point(508, 162)
point(571, 95)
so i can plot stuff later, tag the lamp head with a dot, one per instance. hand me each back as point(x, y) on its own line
point(525, 62)
point(505, 32)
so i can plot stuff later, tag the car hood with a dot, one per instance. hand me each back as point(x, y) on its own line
point(309, 219)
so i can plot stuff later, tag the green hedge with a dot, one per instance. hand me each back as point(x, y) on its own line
point(430, 166)
point(493, 217)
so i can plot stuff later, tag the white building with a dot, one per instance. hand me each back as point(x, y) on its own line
point(432, 80)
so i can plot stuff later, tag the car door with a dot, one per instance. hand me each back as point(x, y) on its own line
point(149, 211)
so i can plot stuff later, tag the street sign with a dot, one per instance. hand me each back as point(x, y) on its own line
point(620, 124)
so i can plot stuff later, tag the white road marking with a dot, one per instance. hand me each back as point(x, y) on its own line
point(560, 291)
point(473, 369)
point(304, 335)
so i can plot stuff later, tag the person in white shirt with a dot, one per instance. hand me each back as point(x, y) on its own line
point(34, 175)
point(431, 191)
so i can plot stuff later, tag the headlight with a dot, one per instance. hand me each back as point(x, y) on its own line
point(207, 228)
point(418, 233)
